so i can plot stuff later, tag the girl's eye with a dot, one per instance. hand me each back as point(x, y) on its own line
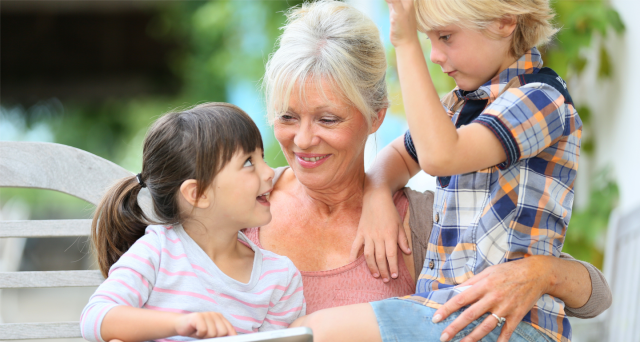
point(445, 38)
point(248, 163)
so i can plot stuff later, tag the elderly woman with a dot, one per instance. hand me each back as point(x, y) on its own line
point(326, 92)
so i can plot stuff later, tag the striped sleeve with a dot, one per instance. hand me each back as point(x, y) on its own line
point(289, 307)
point(129, 283)
point(526, 120)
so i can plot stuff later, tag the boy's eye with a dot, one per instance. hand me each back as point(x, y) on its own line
point(248, 163)
point(445, 38)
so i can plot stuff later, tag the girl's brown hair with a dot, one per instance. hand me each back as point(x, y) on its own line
point(193, 144)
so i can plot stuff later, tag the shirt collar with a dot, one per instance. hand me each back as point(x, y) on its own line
point(529, 63)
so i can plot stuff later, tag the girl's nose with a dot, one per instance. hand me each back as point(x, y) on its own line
point(268, 173)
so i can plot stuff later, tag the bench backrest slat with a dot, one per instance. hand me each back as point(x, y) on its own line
point(57, 167)
point(44, 228)
point(23, 331)
point(13, 280)
point(624, 277)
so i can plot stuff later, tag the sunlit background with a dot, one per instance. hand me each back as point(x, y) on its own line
point(95, 75)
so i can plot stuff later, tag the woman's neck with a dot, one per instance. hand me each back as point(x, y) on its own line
point(342, 194)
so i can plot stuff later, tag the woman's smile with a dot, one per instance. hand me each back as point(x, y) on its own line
point(311, 160)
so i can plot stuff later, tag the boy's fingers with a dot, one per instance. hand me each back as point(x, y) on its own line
point(403, 242)
point(381, 260)
point(392, 257)
point(369, 255)
point(355, 248)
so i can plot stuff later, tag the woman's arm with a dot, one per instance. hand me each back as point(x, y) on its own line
point(511, 289)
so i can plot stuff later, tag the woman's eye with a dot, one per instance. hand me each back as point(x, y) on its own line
point(248, 163)
point(445, 38)
point(328, 121)
point(286, 117)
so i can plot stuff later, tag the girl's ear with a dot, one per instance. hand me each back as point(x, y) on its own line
point(189, 192)
point(375, 125)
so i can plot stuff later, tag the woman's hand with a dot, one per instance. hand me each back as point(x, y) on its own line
point(508, 290)
point(380, 231)
point(403, 22)
point(204, 325)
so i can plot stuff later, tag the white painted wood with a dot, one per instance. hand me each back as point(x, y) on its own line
point(57, 167)
point(12, 280)
point(623, 318)
point(44, 228)
point(23, 331)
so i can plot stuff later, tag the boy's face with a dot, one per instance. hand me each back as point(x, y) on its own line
point(470, 56)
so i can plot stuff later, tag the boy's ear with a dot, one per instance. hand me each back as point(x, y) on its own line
point(189, 192)
point(377, 121)
point(507, 24)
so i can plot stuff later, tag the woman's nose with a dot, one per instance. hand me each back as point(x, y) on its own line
point(305, 137)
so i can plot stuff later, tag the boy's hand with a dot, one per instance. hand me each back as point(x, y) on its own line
point(402, 15)
point(381, 231)
point(204, 325)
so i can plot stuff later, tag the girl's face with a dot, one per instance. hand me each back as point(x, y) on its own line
point(241, 190)
point(323, 138)
point(470, 56)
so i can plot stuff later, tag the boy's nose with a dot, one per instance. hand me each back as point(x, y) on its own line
point(437, 56)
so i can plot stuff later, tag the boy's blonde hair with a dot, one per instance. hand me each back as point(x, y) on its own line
point(533, 26)
point(328, 41)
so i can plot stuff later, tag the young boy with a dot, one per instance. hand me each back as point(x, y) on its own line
point(504, 144)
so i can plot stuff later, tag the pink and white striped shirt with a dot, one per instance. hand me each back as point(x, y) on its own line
point(166, 270)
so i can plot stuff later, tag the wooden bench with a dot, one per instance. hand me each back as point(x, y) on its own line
point(621, 322)
point(59, 168)
point(86, 176)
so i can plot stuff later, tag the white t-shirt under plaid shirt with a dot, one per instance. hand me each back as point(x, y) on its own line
point(166, 270)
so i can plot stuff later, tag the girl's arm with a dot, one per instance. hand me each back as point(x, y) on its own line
point(291, 304)
point(134, 324)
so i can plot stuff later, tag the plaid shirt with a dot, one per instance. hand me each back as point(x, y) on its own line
point(513, 210)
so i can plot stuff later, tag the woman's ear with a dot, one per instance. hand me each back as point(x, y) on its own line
point(377, 121)
point(189, 192)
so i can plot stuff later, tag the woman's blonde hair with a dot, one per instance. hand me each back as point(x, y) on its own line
point(533, 25)
point(333, 42)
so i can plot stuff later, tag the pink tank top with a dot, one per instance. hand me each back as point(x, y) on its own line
point(351, 283)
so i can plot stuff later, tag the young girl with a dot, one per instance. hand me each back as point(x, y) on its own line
point(191, 272)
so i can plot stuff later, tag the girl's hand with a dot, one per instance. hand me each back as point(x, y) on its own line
point(380, 231)
point(508, 290)
point(204, 325)
point(402, 15)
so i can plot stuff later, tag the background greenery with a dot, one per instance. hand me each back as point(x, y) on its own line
point(221, 50)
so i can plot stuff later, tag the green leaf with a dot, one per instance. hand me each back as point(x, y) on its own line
point(604, 70)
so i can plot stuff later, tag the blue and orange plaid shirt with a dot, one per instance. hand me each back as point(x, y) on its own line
point(513, 210)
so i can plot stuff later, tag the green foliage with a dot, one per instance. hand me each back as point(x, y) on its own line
point(587, 229)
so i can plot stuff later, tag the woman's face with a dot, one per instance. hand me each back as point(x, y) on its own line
point(323, 138)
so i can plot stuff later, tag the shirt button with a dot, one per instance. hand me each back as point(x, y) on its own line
point(431, 264)
point(437, 218)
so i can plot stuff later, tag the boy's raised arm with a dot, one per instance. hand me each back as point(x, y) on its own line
point(442, 149)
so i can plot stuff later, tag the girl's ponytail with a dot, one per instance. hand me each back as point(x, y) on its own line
point(118, 222)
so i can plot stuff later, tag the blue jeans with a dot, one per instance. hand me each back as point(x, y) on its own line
point(405, 320)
